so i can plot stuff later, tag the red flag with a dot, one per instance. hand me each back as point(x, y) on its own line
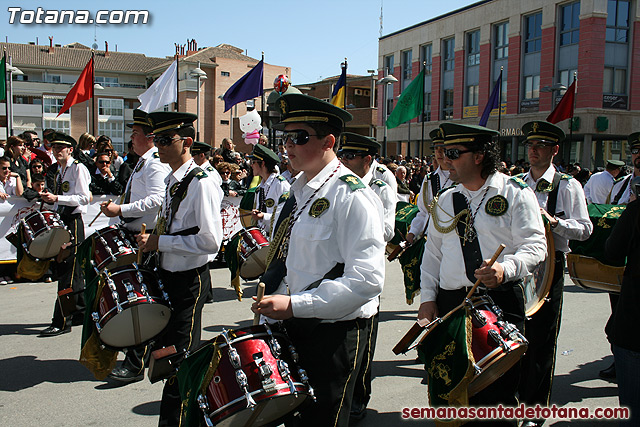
point(564, 109)
point(82, 90)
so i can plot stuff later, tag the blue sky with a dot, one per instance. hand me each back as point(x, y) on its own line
point(311, 37)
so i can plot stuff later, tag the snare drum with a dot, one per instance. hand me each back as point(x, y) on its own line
point(538, 284)
point(256, 382)
point(43, 234)
point(114, 246)
point(497, 345)
point(132, 307)
point(253, 249)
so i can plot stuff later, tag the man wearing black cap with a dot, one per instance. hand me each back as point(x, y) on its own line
point(603, 187)
point(356, 152)
point(189, 228)
point(328, 265)
point(468, 224)
point(70, 198)
point(200, 152)
point(272, 186)
point(139, 204)
point(562, 204)
point(432, 183)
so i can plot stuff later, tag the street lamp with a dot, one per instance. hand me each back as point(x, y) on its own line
point(18, 72)
point(386, 81)
point(198, 74)
point(557, 87)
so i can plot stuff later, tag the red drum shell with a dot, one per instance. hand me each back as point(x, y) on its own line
point(117, 241)
point(253, 250)
point(44, 233)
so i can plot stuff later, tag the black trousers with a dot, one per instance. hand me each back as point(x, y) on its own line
point(542, 328)
point(362, 392)
point(69, 272)
point(187, 294)
point(510, 298)
point(332, 354)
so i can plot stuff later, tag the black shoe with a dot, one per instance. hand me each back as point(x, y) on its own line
point(609, 373)
point(358, 411)
point(52, 331)
point(77, 320)
point(124, 375)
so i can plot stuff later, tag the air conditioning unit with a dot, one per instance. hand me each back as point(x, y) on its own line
point(358, 91)
point(362, 92)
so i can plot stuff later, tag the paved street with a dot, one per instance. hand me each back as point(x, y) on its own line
point(41, 382)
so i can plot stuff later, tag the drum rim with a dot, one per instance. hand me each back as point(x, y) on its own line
point(129, 305)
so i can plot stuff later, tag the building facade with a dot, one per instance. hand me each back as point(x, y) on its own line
point(47, 73)
point(540, 46)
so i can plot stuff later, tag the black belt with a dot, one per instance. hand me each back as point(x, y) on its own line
point(199, 270)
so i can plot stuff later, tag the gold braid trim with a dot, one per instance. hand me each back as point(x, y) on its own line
point(276, 240)
point(440, 225)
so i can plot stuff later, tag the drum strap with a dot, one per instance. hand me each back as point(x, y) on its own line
point(552, 201)
point(126, 199)
point(470, 248)
point(622, 190)
point(177, 197)
point(277, 270)
point(435, 184)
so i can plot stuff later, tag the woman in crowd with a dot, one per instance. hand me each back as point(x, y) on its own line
point(36, 166)
point(229, 186)
point(15, 150)
point(87, 144)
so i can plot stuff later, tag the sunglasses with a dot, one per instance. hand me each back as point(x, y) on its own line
point(5, 168)
point(350, 156)
point(166, 140)
point(225, 173)
point(537, 145)
point(37, 166)
point(298, 137)
point(635, 150)
point(454, 153)
point(104, 162)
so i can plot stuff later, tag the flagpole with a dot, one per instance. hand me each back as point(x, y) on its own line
point(93, 98)
point(573, 107)
point(262, 120)
point(421, 151)
point(345, 83)
point(500, 103)
point(6, 98)
point(177, 83)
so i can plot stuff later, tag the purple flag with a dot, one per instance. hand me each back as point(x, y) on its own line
point(247, 87)
point(494, 101)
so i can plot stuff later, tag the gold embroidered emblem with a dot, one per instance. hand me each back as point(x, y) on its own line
point(351, 180)
point(544, 186)
point(270, 203)
point(173, 189)
point(161, 225)
point(535, 127)
point(65, 186)
point(319, 207)
point(496, 206)
point(282, 104)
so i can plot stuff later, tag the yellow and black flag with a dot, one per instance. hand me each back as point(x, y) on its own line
point(339, 95)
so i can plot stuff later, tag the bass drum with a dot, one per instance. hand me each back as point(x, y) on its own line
point(538, 284)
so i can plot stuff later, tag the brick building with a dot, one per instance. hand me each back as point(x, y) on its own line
point(48, 73)
point(540, 45)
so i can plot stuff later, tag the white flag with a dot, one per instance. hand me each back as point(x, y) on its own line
point(162, 91)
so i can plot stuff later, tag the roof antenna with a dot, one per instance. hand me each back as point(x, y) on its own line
point(381, 1)
point(95, 36)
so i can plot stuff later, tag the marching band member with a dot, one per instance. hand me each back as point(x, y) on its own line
point(272, 186)
point(139, 204)
point(328, 271)
point(468, 223)
point(189, 228)
point(70, 198)
point(356, 152)
point(603, 187)
point(432, 183)
point(562, 203)
point(200, 152)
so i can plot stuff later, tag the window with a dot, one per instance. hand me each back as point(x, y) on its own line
point(533, 33)
point(58, 125)
point(131, 104)
point(26, 99)
point(501, 32)
point(110, 107)
point(618, 21)
point(107, 81)
point(447, 105)
point(570, 24)
point(473, 48)
point(53, 105)
point(224, 122)
point(472, 95)
point(566, 77)
point(407, 57)
point(20, 77)
point(449, 55)
point(427, 107)
point(426, 57)
point(115, 131)
point(615, 81)
point(388, 65)
point(52, 78)
point(225, 74)
point(532, 87)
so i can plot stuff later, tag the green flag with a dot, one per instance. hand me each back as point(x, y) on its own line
point(3, 83)
point(410, 103)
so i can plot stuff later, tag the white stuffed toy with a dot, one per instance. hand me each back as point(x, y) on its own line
point(250, 125)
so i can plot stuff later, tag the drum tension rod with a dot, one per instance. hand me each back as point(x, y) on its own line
point(241, 377)
point(204, 407)
point(265, 372)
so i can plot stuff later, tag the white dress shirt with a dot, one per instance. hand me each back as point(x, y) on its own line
point(212, 172)
point(75, 179)
point(419, 223)
point(349, 231)
point(626, 196)
point(388, 199)
point(571, 209)
point(520, 228)
point(382, 172)
point(10, 186)
point(599, 187)
point(274, 186)
point(199, 208)
point(147, 190)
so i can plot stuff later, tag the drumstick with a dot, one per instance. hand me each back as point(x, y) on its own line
point(143, 229)
point(94, 219)
point(404, 344)
point(259, 296)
